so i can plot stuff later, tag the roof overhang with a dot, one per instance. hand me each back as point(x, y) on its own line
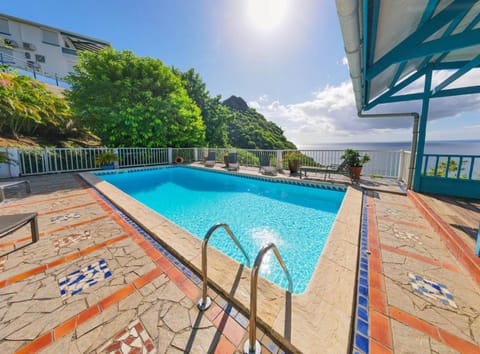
point(390, 44)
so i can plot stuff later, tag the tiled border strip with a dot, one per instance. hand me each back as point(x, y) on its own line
point(372, 327)
point(43, 200)
point(229, 323)
point(462, 252)
point(233, 174)
point(59, 261)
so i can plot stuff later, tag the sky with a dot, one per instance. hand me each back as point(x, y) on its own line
point(284, 57)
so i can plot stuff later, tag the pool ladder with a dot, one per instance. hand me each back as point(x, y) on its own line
point(251, 346)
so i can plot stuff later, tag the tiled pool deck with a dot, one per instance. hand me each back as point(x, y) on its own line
point(95, 282)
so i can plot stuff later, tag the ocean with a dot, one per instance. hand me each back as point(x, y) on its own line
point(450, 147)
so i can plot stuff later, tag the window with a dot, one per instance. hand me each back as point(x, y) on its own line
point(40, 58)
point(27, 55)
point(4, 26)
point(50, 37)
point(28, 46)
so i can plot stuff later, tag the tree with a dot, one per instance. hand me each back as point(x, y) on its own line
point(26, 105)
point(215, 115)
point(131, 101)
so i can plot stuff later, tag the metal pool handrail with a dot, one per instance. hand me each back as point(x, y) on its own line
point(252, 346)
point(205, 302)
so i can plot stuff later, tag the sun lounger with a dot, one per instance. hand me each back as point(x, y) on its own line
point(327, 170)
point(11, 184)
point(11, 223)
point(265, 167)
point(211, 159)
point(233, 164)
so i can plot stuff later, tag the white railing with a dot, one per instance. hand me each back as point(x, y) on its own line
point(53, 160)
point(404, 166)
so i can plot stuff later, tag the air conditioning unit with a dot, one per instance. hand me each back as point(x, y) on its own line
point(28, 46)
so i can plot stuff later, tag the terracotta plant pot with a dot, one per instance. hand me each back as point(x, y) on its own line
point(355, 172)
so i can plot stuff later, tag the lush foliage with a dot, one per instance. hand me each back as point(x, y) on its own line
point(27, 106)
point(249, 129)
point(452, 170)
point(106, 158)
point(215, 115)
point(353, 158)
point(131, 101)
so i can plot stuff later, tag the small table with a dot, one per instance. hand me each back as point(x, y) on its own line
point(11, 223)
point(11, 184)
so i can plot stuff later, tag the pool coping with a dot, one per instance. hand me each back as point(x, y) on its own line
point(321, 317)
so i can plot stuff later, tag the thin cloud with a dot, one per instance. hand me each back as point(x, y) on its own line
point(330, 116)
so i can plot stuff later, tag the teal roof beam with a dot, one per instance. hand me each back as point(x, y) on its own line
point(384, 98)
point(442, 45)
point(407, 46)
point(429, 9)
point(399, 72)
point(459, 73)
point(458, 91)
point(451, 65)
point(473, 23)
point(365, 39)
point(448, 31)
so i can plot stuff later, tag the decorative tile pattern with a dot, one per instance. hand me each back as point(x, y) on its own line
point(361, 344)
point(60, 218)
point(431, 289)
point(402, 235)
point(133, 339)
point(70, 239)
point(74, 282)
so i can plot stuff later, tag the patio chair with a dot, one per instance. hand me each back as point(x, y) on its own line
point(265, 167)
point(11, 184)
point(11, 223)
point(211, 159)
point(233, 164)
point(342, 168)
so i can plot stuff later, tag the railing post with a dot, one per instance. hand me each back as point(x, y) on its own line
point(195, 154)
point(45, 164)
point(170, 156)
point(400, 165)
point(116, 164)
point(279, 159)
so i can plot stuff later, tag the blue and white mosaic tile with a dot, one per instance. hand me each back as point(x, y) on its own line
point(75, 282)
point(431, 289)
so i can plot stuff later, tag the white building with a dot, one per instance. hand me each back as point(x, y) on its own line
point(47, 50)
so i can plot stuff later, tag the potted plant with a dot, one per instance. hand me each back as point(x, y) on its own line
point(293, 161)
point(355, 162)
point(106, 160)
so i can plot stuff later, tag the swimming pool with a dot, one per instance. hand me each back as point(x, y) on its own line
point(297, 219)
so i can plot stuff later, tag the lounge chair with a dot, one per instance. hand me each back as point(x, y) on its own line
point(11, 184)
point(233, 164)
point(211, 159)
point(265, 167)
point(327, 170)
point(10, 223)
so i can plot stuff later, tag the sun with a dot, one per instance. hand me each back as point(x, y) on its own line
point(266, 15)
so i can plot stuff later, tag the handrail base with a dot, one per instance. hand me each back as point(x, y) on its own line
point(246, 348)
point(204, 305)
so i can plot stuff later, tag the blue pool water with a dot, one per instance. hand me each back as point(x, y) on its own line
point(297, 219)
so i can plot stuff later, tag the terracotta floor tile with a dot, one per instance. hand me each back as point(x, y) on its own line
point(224, 346)
point(213, 311)
point(376, 348)
point(27, 274)
point(116, 296)
point(66, 209)
point(378, 300)
point(87, 314)
point(164, 264)
point(380, 328)
point(374, 264)
point(147, 278)
point(190, 289)
point(153, 253)
point(176, 275)
point(230, 328)
point(44, 200)
point(376, 280)
point(37, 345)
point(65, 328)
point(414, 322)
point(457, 343)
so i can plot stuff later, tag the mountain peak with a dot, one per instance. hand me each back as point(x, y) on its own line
point(236, 103)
